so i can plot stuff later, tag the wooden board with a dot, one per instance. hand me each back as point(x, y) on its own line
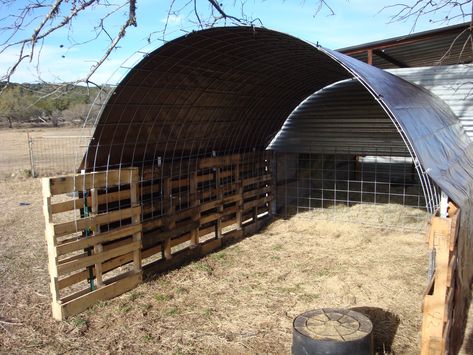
point(439, 297)
point(179, 210)
point(72, 258)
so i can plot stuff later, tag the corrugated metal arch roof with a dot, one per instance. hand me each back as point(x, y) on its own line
point(227, 90)
point(431, 130)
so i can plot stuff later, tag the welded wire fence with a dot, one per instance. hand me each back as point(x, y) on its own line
point(53, 155)
point(337, 186)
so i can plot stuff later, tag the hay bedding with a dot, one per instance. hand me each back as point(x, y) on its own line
point(239, 300)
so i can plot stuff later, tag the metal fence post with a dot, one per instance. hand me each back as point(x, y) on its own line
point(30, 150)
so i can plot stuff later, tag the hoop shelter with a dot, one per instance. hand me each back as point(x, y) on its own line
point(230, 102)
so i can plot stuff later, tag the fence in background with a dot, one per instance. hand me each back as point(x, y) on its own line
point(54, 155)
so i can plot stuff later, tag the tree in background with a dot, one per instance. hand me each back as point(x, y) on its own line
point(16, 106)
point(22, 104)
point(27, 26)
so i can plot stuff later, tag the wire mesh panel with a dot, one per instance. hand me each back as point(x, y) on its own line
point(54, 155)
point(334, 180)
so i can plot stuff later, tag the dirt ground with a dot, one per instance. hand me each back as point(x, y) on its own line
point(240, 300)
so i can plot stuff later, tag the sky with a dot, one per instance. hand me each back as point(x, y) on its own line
point(61, 59)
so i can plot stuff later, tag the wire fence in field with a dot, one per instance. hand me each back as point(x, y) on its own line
point(53, 155)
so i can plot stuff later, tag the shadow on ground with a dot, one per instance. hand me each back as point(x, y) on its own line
point(468, 343)
point(385, 326)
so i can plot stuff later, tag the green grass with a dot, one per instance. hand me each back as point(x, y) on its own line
point(172, 311)
point(134, 295)
point(78, 322)
point(125, 308)
point(208, 312)
point(148, 337)
point(161, 297)
point(202, 266)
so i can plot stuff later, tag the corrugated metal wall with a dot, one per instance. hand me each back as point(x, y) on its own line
point(344, 116)
point(341, 118)
point(452, 83)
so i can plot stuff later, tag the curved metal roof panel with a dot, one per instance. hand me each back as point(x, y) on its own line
point(429, 126)
point(227, 90)
point(340, 118)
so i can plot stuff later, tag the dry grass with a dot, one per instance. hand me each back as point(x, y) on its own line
point(240, 300)
point(14, 157)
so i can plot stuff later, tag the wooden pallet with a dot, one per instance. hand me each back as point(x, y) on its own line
point(89, 241)
point(438, 298)
point(149, 217)
point(220, 196)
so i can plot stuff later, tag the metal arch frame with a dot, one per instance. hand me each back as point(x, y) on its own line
point(226, 36)
point(432, 197)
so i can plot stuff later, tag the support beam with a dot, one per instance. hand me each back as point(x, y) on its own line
point(380, 53)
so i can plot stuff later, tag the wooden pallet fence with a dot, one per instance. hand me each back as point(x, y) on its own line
point(93, 229)
point(216, 202)
point(438, 298)
point(117, 221)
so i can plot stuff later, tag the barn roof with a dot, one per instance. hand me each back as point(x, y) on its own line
point(229, 90)
point(445, 46)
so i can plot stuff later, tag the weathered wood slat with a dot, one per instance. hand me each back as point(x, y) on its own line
point(78, 203)
point(256, 179)
point(256, 203)
point(152, 224)
point(66, 184)
point(175, 232)
point(95, 239)
point(96, 258)
point(215, 162)
point(61, 229)
point(209, 218)
point(79, 304)
point(256, 192)
point(106, 266)
point(182, 239)
point(207, 230)
point(151, 251)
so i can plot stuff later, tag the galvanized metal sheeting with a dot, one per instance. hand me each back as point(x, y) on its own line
point(430, 129)
point(452, 83)
point(448, 45)
point(344, 118)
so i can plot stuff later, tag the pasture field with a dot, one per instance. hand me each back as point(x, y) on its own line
point(52, 155)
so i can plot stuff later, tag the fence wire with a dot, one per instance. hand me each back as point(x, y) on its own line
point(53, 155)
point(339, 186)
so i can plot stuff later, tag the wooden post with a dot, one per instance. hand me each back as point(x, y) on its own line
point(52, 249)
point(195, 203)
point(370, 56)
point(218, 227)
point(136, 218)
point(170, 216)
point(438, 300)
point(98, 248)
